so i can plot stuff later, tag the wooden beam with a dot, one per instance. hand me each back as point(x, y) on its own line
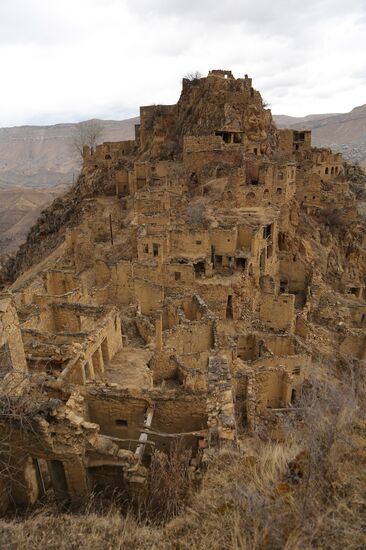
point(139, 453)
point(150, 431)
point(112, 438)
point(111, 227)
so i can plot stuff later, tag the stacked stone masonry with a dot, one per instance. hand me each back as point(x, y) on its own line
point(183, 299)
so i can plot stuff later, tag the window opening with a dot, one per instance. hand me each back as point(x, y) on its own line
point(121, 422)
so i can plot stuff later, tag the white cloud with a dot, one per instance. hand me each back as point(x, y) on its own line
point(75, 59)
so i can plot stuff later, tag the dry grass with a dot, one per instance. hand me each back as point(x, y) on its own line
point(169, 484)
point(196, 212)
point(66, 532)
point(308, 492)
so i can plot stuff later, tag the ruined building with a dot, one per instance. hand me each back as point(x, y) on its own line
point(184, 288)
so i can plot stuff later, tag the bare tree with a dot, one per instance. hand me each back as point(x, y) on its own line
point(86, 133)
point(20, 433)
point(194, 75)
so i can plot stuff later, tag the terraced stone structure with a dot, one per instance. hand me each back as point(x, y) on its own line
point(184, 289)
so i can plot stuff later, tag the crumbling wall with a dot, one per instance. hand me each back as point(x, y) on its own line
point(149, 296)
point(121, 282)
point(270, 388)
point(60, 282)
point(194, 337)
point(294, 273)
point(179, 414)
point(191, 244)
point(278, 312)
point(120, 418)
point(220, 402)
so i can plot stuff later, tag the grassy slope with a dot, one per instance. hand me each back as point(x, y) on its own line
point(306, 491)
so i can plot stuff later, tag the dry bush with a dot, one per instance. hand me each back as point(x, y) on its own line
point(169, 483)
point(196, 213)
point(334, 218)
point(15, 414)
point(193, 76)
point(19, 427)
point(86, 133)
point(238, 506)
point(306, 492)
point(110, 531)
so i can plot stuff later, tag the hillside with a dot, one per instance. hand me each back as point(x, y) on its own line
point(344, 132)
point(42, 156)
point(182, 341)
point(37, 163)
point(19, 209)
point(286, 121)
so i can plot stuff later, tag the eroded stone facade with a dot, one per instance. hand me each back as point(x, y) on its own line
point(190, 299)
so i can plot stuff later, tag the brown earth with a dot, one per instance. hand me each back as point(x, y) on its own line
point(19, 209)
point(41, 157)
point(37, 164)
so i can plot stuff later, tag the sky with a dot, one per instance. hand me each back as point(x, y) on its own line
point(72, 60)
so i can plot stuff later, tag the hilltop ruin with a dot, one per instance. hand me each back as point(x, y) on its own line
point(184, 289)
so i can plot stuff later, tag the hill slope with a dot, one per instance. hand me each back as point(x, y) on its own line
point(42, 156)
point(37, 164)
point(345, 132)
point(19, 209)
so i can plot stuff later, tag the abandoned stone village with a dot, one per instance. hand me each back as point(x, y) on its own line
point(183, 289)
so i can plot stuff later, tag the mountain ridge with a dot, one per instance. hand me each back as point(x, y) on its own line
point(343, 132)
point(43, 156)
point(40, 158)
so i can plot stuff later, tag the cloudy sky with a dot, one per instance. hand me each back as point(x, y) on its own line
point(69, 60)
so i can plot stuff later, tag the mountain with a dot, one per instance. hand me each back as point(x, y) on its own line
point(37, 164)
point(286, 121)
point(19, 210)
point(186, 332)
point(42, 156)
point(344, 132)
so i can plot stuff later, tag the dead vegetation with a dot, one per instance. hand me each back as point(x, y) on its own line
point(306, 492)
point(19, 414)
point(191, 300)
point(86, 133)
point(335, 219)
point(193, 76)
point(169, 483)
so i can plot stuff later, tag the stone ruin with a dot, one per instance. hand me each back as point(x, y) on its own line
point(185, 300)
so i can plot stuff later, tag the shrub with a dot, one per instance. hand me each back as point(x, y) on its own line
point(196, 213)
point(169, 483)
point(193, 76)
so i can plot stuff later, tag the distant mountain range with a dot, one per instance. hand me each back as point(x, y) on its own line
point(344, 132)
point(43, 156)
point(38, 162)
